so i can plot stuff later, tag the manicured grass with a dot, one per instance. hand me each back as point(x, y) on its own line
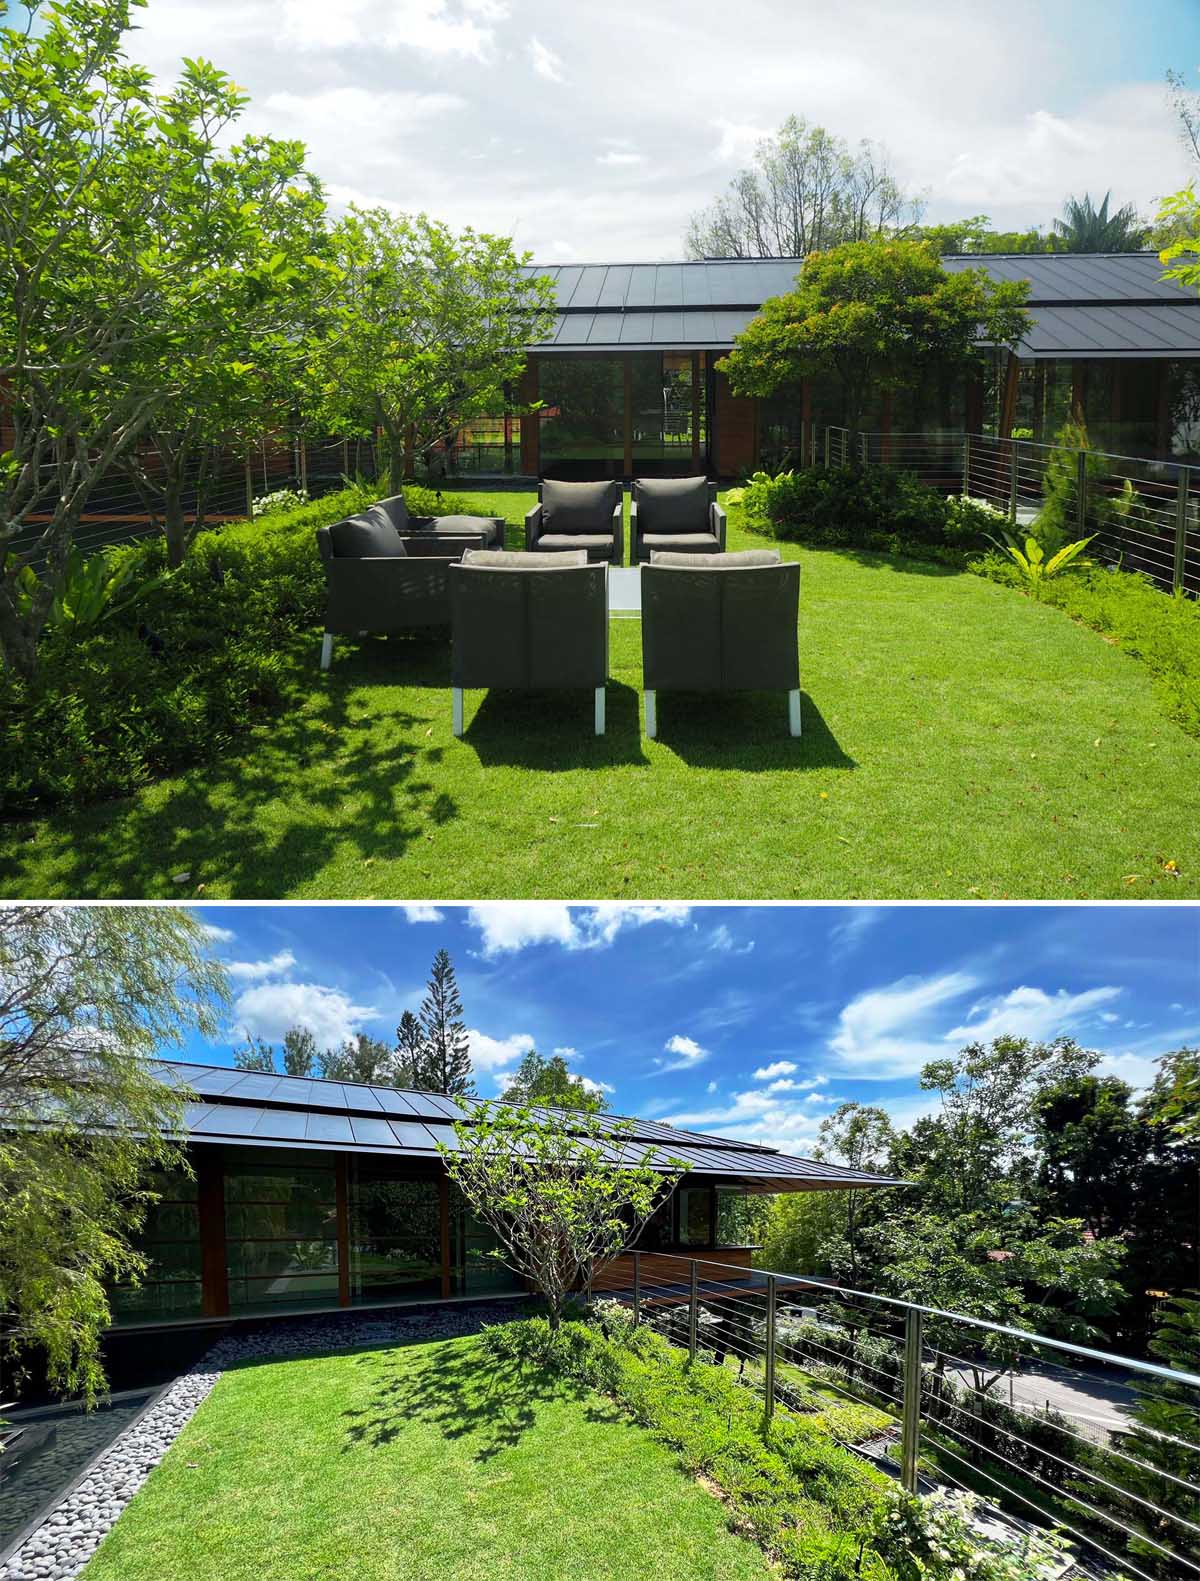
point(959, 741)
point(413, 1464)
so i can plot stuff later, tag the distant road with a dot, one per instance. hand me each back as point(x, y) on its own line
point(1094, 1402)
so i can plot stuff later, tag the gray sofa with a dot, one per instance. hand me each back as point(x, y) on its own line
point(678, 515)
point(396, 512)
point(571, 516)
point(528, 622)
point(720, 623)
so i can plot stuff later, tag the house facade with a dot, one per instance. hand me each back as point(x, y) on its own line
point(629, 386)
point(313, 1195)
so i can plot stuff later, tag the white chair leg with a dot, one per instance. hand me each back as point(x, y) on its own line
point(794, 712)
point(457, 709)
point(651, 714)
point(326, 649)
point(600, 710)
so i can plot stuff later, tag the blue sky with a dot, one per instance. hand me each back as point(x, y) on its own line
point(746, 1021)
point(592, 130)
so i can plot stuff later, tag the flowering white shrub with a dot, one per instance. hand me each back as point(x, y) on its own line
point(280, 500)
point(941, 1537)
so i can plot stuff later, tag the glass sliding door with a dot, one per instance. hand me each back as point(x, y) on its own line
point(170, 1241)
point(668, 414)
point(583, 415)
point(395, 1237)
point(280, 1235)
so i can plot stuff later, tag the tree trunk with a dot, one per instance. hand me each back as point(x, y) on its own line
point(19, 634)
point(174, 521)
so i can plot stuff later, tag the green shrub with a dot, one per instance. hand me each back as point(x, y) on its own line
point(1162, 631)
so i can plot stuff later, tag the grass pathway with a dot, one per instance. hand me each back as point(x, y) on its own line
point(412, 1464)
point(959, 742)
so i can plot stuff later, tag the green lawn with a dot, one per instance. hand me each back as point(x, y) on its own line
point(416, 1464)
point(959, 741)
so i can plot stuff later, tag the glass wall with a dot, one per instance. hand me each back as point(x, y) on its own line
point(280, 1235)
point(664, 417)
point(171, 1243)
point(695, 1215)
point(395, 1237)
point(478, 1271)
point(583, 414)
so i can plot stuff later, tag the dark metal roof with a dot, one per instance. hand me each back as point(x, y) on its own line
point(1083, 304)
point(252, 1109)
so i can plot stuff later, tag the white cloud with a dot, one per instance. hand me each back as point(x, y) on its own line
point(545, 62)
point(565, 1051)
point(711, 1088)
point(423, 914)
point(687, 1051)
point(429, 27)
point(1032, 1013)
point(254, 971)
point(738, 141)
point(596, 1086)
point(779, 1067)
point(783, 1084)
point(615, 157)
point(724, 943)
point(218, 935)
point(267, 1010)
point(511, 925)
point(846, 936)
point(874, 1033)
point(494, 1054)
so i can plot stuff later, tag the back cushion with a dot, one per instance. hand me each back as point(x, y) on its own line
point(395, 510)
point(579, 507)
point(363, 536)
point(672, 504)
point(739, 559)
point(517, 560)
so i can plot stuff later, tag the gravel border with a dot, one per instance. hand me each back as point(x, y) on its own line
point(75, 1527)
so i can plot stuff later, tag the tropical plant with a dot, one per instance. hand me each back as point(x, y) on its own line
point(1180, 216)
point(1033, 566)
point(1084, 228)
point(91, 590)
point(874, 316)
point(561, 1193)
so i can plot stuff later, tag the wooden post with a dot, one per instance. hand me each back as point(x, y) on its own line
point(695, 412)
point(210, 1196)
point(444, 1225)
point(341, 1188)
point(1008, 410)
point(628, 372)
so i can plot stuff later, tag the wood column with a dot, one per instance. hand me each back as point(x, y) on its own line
point(627, 361)
point(342, 1199)
point(1162, 416)
point(1008, 409)
point(444, 1216)
point(210, 1196)
point(1079, 390)
point(695, 412)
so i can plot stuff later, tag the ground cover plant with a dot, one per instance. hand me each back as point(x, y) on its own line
point(423, 1460)
point(959, 742)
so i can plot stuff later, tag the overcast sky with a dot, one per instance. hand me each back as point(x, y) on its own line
point(745, 1021)
point(592, 129)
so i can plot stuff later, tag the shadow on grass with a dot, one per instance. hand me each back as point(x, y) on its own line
point(330, 773)
point(746, 731)
point(555, 730)
point(462, 1395)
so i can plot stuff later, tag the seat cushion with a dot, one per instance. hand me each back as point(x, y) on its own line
point(684, 542)
point(396, 511)
point(741, 559)
point(579, 507)
point(360, 537)
point(575, 540)
point(523, 560)
point(672, 505)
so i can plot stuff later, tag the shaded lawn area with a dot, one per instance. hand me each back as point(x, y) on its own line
point(959, 742)
point(413, 1463)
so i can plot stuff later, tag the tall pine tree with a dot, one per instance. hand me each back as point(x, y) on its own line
point(445, 1032)
point(412, 1053)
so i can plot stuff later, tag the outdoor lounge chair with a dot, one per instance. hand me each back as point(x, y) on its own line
point(376, 581)
point(397, 513)
point(577, 516)
point(528, 622)
point(679, 515)
point(720, 623)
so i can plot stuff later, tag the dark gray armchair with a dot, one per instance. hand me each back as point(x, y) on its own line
point(396, 512)
point(377, 581)
point(680, 515)
point(577, 516)
point(528, 622)
point(720, 623)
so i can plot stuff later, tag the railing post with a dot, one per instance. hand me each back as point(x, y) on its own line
point(1081, 494)
point(966, 464)
point(827, 447)
point(692, 1316)
point(863, 448)
point(1181, 516)
point(1012, 480)
point(249, 489)
point(769, 1385)
point(910, 1429)
point(637, 1287)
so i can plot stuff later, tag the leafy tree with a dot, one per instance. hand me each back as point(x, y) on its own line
point(254, 1054)
point(1091, 1150)
point(88, 996)
point(429, 331)
point(975, 235)
point(805, 191)
point(549, 1081)
point(300, 1057)
point(561, 1194)
point(875, 315)
point(360, 1059)
point(447, 1051)
point(1177, 235)
point(861, 1137)
point(1084, 228)
point(121, 249)
point(412, 1052)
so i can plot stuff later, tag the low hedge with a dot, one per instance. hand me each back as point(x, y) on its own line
point(214, 647)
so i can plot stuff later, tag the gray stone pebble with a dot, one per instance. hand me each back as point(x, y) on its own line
point(74, 1529)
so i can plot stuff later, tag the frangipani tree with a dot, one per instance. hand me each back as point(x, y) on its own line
point(561, 1192)
point(430, 330)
